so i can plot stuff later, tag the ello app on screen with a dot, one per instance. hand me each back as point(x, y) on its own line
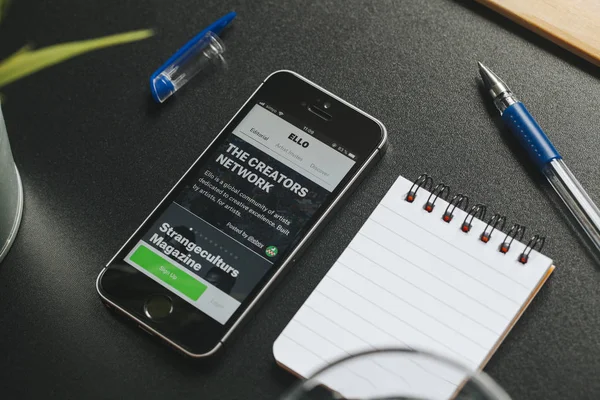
point(240, 213)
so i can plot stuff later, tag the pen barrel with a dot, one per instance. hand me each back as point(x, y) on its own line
point(575, 197)
point(529, 133)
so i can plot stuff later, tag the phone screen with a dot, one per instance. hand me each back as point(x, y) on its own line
point(241, 211)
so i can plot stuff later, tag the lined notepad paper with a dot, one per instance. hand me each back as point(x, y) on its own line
point(408, 279)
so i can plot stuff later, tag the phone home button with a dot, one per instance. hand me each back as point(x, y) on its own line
point(158, 307)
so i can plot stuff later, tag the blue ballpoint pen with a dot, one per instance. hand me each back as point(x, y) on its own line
point(544, 155)
point(189, 60)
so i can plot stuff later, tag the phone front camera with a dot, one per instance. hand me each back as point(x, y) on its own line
point(326, 105)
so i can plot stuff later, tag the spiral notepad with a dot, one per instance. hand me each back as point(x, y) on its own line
point(425, 271)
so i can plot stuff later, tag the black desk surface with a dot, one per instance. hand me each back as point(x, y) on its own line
point(96, 155)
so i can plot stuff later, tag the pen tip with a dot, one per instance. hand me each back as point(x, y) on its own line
point(491, 81)
point(484, 71)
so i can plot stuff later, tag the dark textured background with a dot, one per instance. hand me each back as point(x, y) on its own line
point(96, 156)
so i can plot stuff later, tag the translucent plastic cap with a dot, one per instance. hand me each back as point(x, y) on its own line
point(185, 64)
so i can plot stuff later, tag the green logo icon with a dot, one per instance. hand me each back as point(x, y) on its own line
point(271, 251)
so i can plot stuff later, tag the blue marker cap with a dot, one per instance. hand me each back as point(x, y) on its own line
point(194, 56)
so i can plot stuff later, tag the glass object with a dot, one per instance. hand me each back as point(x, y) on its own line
point(11, 193)
point(398, 374)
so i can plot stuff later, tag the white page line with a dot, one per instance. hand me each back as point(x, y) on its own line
point(402, 343)
point(368, 344)
point(504, 319)
point(392, 251)
point(326, 361)
point(528, 276)
point(450, 244)
point(423, 311)
point(375, 326)
point(354, 321)
point(442, 261)
point(400, 319)
point(347, 353)
point(409, 322)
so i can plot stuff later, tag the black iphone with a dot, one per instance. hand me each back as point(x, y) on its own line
point(242, 213)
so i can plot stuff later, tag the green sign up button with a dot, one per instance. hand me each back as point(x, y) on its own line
point(167, 272)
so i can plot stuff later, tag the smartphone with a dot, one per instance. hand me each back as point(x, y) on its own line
point(241, 214)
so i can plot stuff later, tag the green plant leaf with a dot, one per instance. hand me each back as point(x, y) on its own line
point(28, 47)
point(3, 8)
point(26, 61)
